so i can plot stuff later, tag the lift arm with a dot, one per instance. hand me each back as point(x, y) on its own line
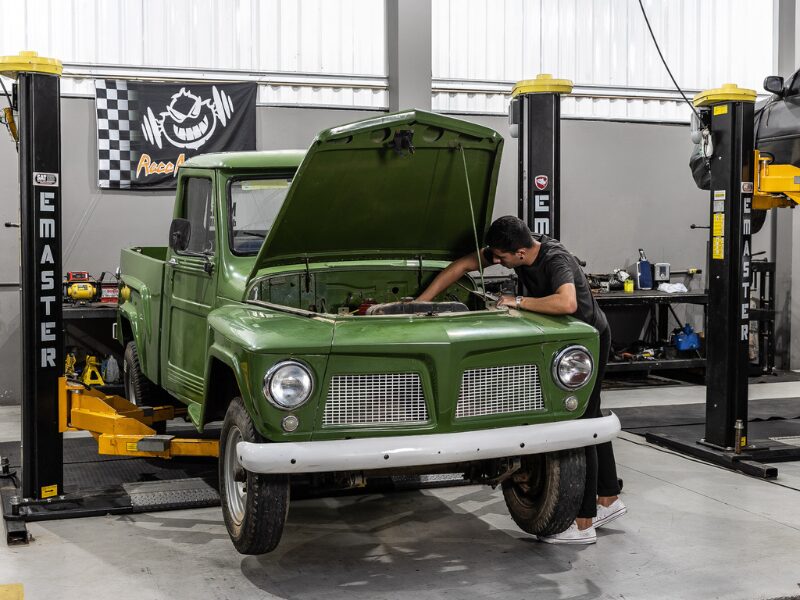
point(776, 186)
point(122, 428)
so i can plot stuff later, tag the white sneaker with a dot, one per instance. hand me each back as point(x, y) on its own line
point(572, 535)
point(606, 514)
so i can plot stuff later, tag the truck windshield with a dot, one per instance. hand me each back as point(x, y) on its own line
point(253, 205)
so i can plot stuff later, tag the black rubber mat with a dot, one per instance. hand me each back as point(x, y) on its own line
point(97, 485)
point(773, 433)
point(768, 442)
point(778, 430)
point(85, 469)
point(645, 419)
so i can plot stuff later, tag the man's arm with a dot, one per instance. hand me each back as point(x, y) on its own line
point(454, 271)
point(563, 302)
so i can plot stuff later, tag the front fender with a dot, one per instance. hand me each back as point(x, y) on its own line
point(249, 340)
point(226, 353)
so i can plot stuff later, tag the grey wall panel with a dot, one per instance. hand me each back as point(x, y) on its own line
point(282, 128)
point(97, 224)
point(10, 346)
point(794, 296)
point(625, 186)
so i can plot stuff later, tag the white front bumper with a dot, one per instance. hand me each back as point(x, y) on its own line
point(418, 450)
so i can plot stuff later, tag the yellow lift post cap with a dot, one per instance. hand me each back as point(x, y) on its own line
point(28, 61)
point(729, 92)
point(543, 84)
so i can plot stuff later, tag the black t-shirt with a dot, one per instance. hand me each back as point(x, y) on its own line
point(554, 266)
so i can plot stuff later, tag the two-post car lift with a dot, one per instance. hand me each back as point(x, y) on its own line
point(50, 404)
point(742, 180)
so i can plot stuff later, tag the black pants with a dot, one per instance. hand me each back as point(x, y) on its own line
point(601, 469)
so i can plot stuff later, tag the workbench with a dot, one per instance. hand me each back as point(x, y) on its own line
point(91, 327)
point(622, 308)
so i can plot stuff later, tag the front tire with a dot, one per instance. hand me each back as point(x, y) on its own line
point(254, 506)
point(544, 496)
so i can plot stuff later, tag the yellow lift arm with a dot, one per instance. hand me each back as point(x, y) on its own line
point(775, 185)
point(122, 428)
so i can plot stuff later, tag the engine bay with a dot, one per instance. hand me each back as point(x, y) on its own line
point(365, 292)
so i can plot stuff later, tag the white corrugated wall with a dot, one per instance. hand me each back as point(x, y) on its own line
point(332, 52)
point(480, 47)
point(339, 43)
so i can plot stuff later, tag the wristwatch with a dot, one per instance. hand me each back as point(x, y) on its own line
point(519, 300)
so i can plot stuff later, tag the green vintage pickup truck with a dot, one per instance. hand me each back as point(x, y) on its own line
point(284, 307)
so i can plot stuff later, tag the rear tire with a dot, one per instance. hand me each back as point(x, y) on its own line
point(254, 506)
point(544, 496)
point(139, 390)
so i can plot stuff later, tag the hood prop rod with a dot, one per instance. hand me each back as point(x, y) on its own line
point(472, 216)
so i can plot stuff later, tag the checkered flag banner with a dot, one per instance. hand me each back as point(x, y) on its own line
point(116, 110)
point(147, 130)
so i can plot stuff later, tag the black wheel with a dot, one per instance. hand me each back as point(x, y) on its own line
point(254, 506)
point(139, 389)
point(544, 496)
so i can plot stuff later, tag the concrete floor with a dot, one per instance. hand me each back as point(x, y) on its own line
point(693, 531)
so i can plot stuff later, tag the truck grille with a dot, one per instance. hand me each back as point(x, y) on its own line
point(375, 399)
point(499, 390)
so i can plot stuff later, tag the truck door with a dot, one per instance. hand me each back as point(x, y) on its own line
point(190, 288)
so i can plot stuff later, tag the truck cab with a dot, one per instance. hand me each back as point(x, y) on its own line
point(205, 266)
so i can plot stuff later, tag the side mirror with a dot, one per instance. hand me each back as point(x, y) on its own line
point(180, 231)
point(774, 84)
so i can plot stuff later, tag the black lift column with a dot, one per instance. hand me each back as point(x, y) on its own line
point(535, 118)
point(38, 93)
point(728, 114)
point(730, 111)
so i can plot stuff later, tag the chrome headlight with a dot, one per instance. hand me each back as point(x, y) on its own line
point(288, 384)
point(573, 367)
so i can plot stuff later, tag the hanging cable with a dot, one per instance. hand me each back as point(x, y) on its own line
point(666, 66)
point(472, 216)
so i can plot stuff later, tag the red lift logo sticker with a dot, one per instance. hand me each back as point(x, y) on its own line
point(541, 181)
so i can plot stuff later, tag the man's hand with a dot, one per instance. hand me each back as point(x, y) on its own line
point(510, 301)
point(563, 302)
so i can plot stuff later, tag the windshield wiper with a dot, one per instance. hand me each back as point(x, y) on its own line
point(251, 232)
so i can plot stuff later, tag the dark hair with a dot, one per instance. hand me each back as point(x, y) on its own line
point(509, 234)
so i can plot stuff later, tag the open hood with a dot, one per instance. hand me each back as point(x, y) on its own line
point(388, 187)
